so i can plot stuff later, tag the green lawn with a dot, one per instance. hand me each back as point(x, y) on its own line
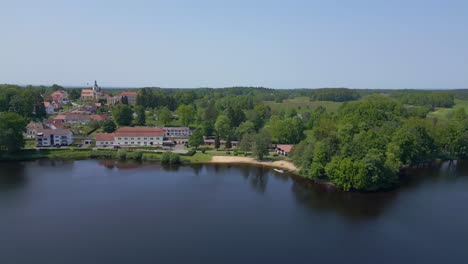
point(303, 104)
point(443, 114)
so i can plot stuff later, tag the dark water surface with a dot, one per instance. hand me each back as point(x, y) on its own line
point(96, 212)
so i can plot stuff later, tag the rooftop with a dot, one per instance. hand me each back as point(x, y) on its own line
point(105, 136)
point(140, 131)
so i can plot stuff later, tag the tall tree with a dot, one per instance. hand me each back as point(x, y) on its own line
point(223, 126)
point(12, 127)
point(261, 142)
point(186, 114)
point(123, 115)
point(165, 116)
point(196, 139)
point(140, 119)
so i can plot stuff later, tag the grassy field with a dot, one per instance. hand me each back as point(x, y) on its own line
point(443, 114)
point(303, 104)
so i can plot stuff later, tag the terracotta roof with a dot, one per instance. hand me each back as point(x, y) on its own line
point(87, 92)
point(285, 148)
point(99, 117)
point(105, 136)
point(129, 94)
point(60, 117)
point(139, 132)
point(59, 132)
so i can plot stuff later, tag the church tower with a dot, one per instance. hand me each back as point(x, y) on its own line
point(96, 90)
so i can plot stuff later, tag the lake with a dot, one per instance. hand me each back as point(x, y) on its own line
point(107, 212)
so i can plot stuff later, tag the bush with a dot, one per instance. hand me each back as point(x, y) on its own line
point(275, 155)
point(122, 154)
point(203, 150)
point(166, 158)
point(174, 158)
point(170, 158)
point(135, 155)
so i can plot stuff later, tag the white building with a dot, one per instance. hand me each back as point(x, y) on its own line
point(176, 131)
point(105, 139)
point(139, 136)
point(49, 108)
point(54, 137)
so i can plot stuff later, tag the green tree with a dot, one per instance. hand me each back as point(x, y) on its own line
point(140, 119)
point(261, 143)
point(12, 127)
point(247, 142)
point(246, 127)
point(165, 116)
point(186, 114)
point(217, 142)
point(196, 139)
point(108, 126)
point(223, 126)
point(74, 94)
point(124, 100)
point(123, 115)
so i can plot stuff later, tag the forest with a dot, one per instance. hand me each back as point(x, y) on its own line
point(362, 144)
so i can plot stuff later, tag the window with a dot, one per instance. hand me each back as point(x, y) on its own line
point(126, 143)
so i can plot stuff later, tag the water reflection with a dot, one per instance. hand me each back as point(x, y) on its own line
point(259, 179)
point(13, 176)
point(355, 206)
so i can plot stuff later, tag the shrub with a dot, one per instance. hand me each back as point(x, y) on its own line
point(166, 158)
point(170, 158)
point(135, 155)
point(174, 158)
point(122, 154)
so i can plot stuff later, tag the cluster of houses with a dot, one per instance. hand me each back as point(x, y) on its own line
point(56, 131)
point(95, 94)
point(57, 99)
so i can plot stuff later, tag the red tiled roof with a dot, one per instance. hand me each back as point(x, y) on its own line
point(59, 132)
point(99, 117)
point(105, 136)
point(139, 132)
point(285, 148)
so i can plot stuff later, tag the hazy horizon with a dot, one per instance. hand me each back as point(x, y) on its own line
point(360, 44)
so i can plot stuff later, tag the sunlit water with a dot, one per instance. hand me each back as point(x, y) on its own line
point(103, 212)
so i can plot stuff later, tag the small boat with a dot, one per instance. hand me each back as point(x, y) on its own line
point(280, 171)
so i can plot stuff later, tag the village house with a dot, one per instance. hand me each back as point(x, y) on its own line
point(139, 136)
point(283, 149)
point(49, 108)
point(32, 128)
point(131, 96)
point(105, 139)
point(54, 137)
point(75, 118)
point(60, 97)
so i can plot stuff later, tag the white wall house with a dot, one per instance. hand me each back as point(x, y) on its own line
point(54, 137)
point(49, 108)
point(105, 139)
point(139, 136)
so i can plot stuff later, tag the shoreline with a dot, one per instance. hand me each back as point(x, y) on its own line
point(280, 164)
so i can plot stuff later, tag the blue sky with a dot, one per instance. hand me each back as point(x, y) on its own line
point(278, 44)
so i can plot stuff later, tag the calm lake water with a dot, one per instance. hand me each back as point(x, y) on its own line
point(102, 212)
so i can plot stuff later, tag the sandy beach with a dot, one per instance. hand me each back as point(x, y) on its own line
point(282, 164)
